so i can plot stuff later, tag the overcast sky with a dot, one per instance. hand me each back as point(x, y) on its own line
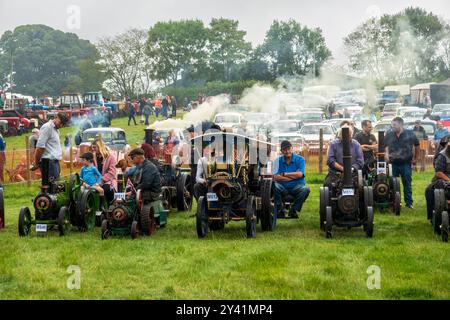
point(98, 18)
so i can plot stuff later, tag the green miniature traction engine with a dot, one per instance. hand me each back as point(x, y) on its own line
point(56, 206)
point(386, 187)
point(134, 213)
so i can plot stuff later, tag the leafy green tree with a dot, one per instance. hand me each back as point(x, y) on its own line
point(46, 61)
point(290, 49)
point(226, 47)
point(126, 66)
point(400, 47)
point(175, 46)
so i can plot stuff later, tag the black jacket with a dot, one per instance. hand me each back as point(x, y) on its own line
point(150, 178)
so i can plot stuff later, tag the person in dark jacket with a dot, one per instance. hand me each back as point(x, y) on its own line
point(165, 107)
point(150, 179)
point(131, 112)
point(419, 131)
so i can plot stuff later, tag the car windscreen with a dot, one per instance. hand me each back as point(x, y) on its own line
point(440, 107)
point(383, 127)
point(285, 126)
point(227, 119)
point(311, 116)
point(316, 130)
point(390, 108)
point(91, 136)
point(256, 117)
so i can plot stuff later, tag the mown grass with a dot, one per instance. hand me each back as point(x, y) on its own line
point(294, 262)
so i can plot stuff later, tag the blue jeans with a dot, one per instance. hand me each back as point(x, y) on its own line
point(405, 171)
point(300, 193)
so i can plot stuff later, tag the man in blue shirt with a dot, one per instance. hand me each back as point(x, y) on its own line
point(290, 179)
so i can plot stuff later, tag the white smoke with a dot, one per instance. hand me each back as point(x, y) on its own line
point(203, 112)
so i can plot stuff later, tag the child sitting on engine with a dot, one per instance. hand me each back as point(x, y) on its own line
point(89, 174)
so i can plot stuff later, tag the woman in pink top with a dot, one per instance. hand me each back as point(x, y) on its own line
point(105, 161)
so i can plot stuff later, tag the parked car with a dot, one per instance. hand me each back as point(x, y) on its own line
point(438, 108)
point(311, 134)
point(429, 126)
point(358, 118)
point(114, 138)
point(311, 117)
point(400, 111)
point(227, 120)
point(283, 126)
point(258, 117)
point(383, 125)
point(416, 114)
point(297, 140)
point(390, 110)
point(336, 123)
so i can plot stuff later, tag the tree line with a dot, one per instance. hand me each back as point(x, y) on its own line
point(407, 47)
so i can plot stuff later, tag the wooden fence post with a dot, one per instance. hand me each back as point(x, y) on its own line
point(321, 150)
point(27, 150)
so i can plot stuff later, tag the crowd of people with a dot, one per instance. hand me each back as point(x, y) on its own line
point(402, 150)
point(165, 106)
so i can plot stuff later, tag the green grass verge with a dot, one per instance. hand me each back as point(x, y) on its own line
point(295, 262)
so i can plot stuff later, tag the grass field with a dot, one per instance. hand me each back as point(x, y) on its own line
point(294, 262)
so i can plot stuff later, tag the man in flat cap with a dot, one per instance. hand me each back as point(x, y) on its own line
point(48, 151)
point(289, 176)
point(149, 179)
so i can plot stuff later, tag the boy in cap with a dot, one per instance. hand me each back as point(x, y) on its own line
point(89, 174)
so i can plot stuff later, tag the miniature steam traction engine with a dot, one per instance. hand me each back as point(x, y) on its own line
point(134, 213)
point(348, 203)
point(175, 176)
point(386, 188)
point(440, 218)
point(56, 206)
point(234, 188)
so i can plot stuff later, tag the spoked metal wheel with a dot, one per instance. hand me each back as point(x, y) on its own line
point(360, 180)
point(369, 222)
point(63, 221)
point(440, 205)
point(202, 218)
point(88, 203)
point(184, 192)
point(267, 200)
point(329, 222)
point(105, 229)
point(445, 226)
point(324, 203)
point(397, 204)
point(166, 201)
point(147, 220)
point(250, 218)
point(24, 222)
point(134, 230)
